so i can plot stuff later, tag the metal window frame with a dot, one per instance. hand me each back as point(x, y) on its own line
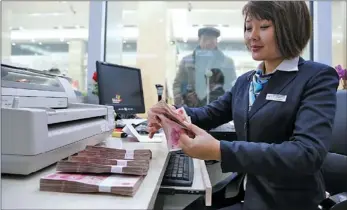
point(322, 32)
point(312, 37)
point(96, 42)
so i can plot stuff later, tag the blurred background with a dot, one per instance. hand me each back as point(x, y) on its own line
point(153, 36)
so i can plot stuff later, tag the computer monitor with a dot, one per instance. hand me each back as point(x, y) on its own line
point(120, 87)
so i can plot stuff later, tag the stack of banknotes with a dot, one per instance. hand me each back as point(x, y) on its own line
point(100, 169)
point(86, 183)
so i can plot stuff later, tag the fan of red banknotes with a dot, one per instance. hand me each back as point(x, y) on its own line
point(173, 125)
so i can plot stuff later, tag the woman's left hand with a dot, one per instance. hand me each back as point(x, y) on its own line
point(203, 146)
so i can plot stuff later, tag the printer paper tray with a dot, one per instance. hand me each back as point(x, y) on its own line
point(26, 164)
point(74, 113)
point(67, 133)
point(56, 136)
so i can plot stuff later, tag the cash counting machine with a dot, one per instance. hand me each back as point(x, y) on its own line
point(41, 123)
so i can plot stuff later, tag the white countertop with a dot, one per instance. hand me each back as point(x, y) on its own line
point(22, 192)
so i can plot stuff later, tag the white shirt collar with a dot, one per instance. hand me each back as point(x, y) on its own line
point(289, 65)
point(286, 65)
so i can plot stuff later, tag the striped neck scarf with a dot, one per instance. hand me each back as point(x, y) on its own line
point(257, 84)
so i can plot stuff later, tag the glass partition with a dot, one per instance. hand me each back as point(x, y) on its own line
point(162, 39)
point(339, 33)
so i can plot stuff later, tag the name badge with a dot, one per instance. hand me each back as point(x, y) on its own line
point(276, 97)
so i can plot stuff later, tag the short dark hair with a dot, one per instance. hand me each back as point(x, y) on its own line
point(292, 22)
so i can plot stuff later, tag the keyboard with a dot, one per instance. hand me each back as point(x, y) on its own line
point(180, 170)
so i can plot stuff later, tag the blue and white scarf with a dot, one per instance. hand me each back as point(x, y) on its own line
point(257, 85)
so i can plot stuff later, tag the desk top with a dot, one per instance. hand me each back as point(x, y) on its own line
point(22, 192)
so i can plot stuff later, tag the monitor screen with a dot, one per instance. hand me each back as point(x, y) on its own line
point(120, 87)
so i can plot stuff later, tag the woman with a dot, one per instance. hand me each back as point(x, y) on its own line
point(283, 113)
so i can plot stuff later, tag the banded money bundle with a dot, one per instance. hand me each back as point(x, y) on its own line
point(95, 168)
point(79, 183)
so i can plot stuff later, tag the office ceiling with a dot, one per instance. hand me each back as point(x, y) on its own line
point(30, 14)
point(43, 15)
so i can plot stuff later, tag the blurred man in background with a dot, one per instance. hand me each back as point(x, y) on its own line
point(190, 77)
point(216, 84)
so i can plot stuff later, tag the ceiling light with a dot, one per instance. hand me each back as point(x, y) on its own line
point(63, 2)
point(339, 27)
point(13, 44)
point(61, 39)
point(40, 43)
point(338, 41)
point(46, 14)
point(32, 40)
point(35, 14)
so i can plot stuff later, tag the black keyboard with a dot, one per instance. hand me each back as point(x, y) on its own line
point(180, 170)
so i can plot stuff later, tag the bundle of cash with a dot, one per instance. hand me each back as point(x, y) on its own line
point(105, 161)
point(80, 183)
point(67, 166)
point(173, 125)
point(112, 153)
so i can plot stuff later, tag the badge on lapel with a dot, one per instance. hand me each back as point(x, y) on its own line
point(276, 97)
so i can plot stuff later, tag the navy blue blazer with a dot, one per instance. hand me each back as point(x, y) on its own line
point(281, 145)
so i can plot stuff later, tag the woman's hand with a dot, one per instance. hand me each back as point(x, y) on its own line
point(203, 146)
point(153, 119)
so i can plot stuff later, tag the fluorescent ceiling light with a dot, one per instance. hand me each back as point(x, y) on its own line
point(46, 14)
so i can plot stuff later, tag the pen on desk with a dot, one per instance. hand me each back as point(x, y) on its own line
point(118, 134)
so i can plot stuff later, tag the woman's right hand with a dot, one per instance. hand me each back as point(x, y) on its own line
point(153, 119)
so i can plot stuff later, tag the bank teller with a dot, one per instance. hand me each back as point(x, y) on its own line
point(283, 113)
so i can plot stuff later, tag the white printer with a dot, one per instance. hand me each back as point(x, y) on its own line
point(41, 123)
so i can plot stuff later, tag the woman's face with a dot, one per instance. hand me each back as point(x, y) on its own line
point(260, 39)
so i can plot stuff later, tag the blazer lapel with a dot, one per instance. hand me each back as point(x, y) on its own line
point(275, 85)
